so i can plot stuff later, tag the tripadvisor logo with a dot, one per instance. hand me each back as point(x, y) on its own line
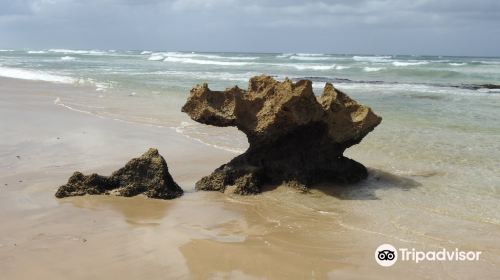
point(387, 255)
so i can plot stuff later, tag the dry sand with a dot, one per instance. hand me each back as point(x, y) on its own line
point(281, 234)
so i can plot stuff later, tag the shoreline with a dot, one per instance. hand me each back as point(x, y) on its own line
point(281, 233)
point(41, 96)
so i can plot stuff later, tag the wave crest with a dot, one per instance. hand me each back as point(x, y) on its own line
point(34, 75)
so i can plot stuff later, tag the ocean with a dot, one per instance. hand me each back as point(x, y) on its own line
point(434, 161)
point(454, 96)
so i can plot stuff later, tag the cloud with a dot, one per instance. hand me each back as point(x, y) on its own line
point(336, 26)
point(9, 8)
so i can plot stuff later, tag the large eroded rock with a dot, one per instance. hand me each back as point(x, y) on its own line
point(294, 137)
point(147, 174)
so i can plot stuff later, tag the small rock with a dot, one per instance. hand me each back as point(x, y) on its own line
point(147, 174)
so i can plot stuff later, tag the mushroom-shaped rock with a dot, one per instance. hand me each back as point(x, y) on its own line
point(294, 136)
point(147, 174)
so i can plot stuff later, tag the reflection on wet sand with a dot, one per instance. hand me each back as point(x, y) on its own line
point(276, 244)
point(213, 233)
point(136, 210)
point(280, 234)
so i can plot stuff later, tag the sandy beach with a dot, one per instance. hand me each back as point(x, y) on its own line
point(329, 233)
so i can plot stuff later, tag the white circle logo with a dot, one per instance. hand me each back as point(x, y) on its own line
point(386, 255)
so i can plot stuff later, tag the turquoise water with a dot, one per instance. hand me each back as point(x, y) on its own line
point(144, 70)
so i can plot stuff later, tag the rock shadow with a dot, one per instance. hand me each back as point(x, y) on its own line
point(366, 189)
point(363, 190)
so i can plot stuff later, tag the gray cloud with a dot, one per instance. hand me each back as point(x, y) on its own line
point(337, 26)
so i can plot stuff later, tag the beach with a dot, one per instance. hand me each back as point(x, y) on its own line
point(433, 183)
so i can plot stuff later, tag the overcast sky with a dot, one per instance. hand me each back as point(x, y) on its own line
point(443, 27)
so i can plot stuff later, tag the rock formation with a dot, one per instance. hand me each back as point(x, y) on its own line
point(295, 137)
point(147, 174)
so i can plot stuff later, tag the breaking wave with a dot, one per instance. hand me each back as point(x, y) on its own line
point(409, 63)
point(34, 75)
point(372, 58)
point(205, 62)
point(88, 52)
point(68, 58)
point(372, 69)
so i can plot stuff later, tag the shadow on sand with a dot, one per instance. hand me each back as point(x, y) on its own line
point(366, 189)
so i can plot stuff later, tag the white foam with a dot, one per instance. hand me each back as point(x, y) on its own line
point(340, 67)
point(146, 52)
point(201, 56)
point(312, 67)
point(491, 62)
point(35, 75)
point(101, 86)
point(308, 58)
point(457, 64)
point(68, 58)
point(240, 57)
point(205, 62)
point(372, 58)
point(37, 52)
point(67, 51)
point(191, 55)
point(156, 57)
point(310, 54)
point(6, 50)
point(488, 90)
point(226, 76)
point(284, 55)
point(372, 69)
point(304, 56)
point(209, 56)
point(409, 63)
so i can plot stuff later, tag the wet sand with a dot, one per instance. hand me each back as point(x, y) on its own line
point(331, 232)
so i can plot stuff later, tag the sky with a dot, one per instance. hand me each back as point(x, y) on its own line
point(418, 27)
